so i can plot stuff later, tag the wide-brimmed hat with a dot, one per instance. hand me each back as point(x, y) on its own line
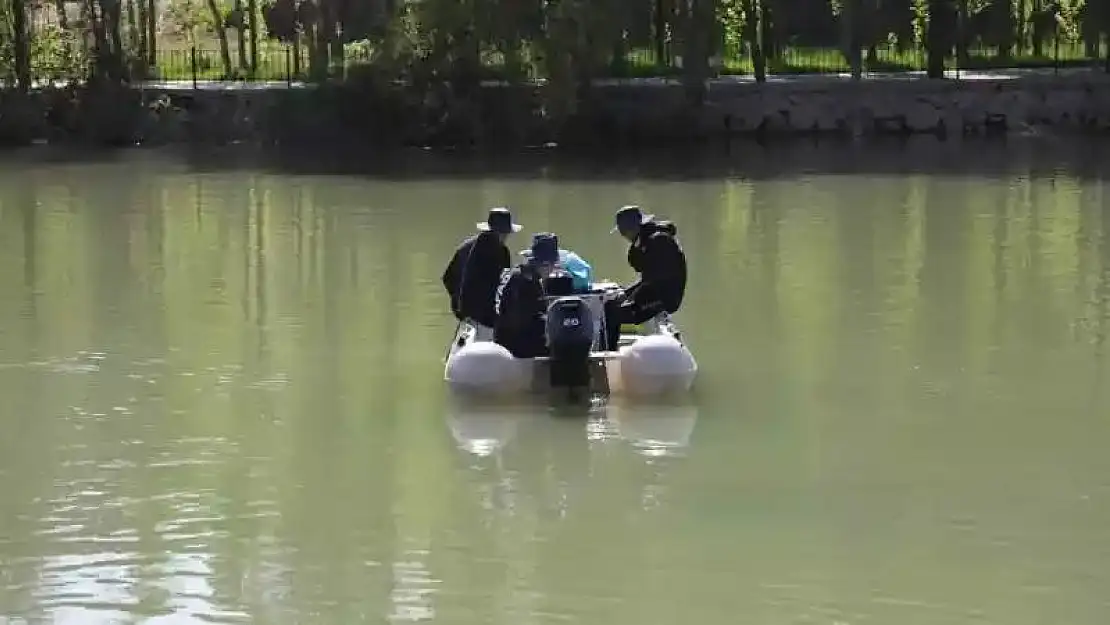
point(630, 217)
point(500, 220)
point(544, 250)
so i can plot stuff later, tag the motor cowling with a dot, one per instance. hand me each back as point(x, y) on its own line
point(558, 284)
point(570, 338)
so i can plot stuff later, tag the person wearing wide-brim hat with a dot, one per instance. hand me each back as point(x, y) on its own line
point(520, 302)
point(499, 220)
point(474, 272)
point(628, 221)
point(655, 253)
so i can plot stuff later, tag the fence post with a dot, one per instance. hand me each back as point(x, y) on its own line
point(193, 64)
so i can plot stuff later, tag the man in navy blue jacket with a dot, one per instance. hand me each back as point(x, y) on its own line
point(655, 253)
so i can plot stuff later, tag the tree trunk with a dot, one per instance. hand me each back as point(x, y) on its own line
point(1106, 30)
point(328, 49)
point(63, 23)
point(770, 29)
point(752, 31)
point(22, 43)
point(659, 33)
point(93, 28)
point(143, 38)
point(618, 58)
point(296, 53)
point(221, 35)
point(108, 41)
point(1038, 31)
point(240, 34)
point(1089, 29)
point(317, 54)
point(695, 66)
point(962, 53)
point(252, 6)
point(852, 17)
point(116, 32)
point(151, 34)
point(938, 37)
point(1001, 27)
point(133, 31)
point(333, 24)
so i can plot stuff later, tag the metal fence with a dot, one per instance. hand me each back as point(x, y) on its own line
point(274, 62)
point(283, 64)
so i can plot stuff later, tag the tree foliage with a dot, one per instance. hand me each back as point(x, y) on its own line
point(442, 49)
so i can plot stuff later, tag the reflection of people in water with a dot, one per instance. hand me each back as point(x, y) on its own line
point(655, 431)
point(523, 455)
point(547, 457)
point(550, 482)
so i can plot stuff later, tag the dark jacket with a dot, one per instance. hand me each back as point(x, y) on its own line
point(520, 313)
point(472, 276)
point(659, 258)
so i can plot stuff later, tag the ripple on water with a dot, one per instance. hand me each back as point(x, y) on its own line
point(90, 587)
point(194, 451)
point(98, 577)
point(413, 589)
point(81, 363)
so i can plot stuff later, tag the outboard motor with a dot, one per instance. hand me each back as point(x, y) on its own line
point(570, 337)
point(558, 284)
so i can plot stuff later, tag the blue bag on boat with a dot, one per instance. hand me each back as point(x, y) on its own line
point(582, 274)
point(580, 271)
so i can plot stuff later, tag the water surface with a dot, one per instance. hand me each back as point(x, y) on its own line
point(224, 398)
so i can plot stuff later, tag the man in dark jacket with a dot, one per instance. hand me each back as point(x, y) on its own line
point(521, 307)
point(656, 254)
point(472, 276)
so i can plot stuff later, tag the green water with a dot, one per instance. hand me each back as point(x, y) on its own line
point(224, 402)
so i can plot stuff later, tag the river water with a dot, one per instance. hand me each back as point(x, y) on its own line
point(224, 399)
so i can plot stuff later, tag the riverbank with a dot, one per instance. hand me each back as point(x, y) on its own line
point(627, 111)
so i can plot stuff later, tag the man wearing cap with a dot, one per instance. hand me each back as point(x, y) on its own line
point(472, 276)
point(656, 254)
point(520, 300)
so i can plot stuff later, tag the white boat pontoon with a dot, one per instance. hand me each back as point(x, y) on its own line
point(652, 358)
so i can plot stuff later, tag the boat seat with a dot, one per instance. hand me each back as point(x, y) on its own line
point(595, 356)
point(482, 333)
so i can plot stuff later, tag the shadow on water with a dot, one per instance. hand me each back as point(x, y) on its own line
point(1033, 156)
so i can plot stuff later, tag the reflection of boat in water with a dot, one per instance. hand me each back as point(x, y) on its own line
point(485, 430)
point(654, 431)
point(482, 429)
point(554, 460)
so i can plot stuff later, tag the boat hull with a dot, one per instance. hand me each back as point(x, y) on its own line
point(652, 361)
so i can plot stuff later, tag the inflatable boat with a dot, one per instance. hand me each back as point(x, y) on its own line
point(652, 359)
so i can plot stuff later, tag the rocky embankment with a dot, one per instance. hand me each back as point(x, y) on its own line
point(621, 111)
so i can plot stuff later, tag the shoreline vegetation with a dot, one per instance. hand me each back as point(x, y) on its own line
point(391, 74)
